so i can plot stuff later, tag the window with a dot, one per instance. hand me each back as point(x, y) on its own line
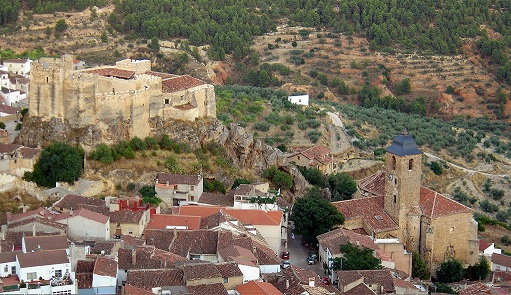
point(166, 101)
point(130, 232)
point(410, 164)
point(58, 273)
point(393, 163)
point(395, 199)
point(395, 180)
point(192, 198)
point(46, 79)
point(118, 224)
point(192, 188)
point(13, 270)
point(194, 256)
point(226, 280)
point(31, 276)
point(6, 268)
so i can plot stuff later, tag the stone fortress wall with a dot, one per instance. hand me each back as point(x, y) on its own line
point(84, 97)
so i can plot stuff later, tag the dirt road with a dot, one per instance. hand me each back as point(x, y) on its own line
point(339, 142)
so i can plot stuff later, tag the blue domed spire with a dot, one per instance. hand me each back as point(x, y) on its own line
point(404, 145)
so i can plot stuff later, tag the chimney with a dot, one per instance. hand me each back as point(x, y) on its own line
point(71, 212)
point(287, 284)
point(312, 282)
point(134, 257)
point(33, 229)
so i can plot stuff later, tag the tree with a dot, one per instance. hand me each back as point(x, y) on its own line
point(154, 44)
point(279, 178)
point(436, 168)
point(214, 186)
point(312, 216)
point(314, 176)
point(58, 162)
point(239, 181)
point(419, 268)
point(356, 258)
point(148, 194)
point(2, 125)
point(104, 37)
point(60, 25)
point(342, 185)
point(478, 271)
point(450, 271)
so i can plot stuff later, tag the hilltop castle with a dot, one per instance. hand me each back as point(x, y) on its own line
point(393, 204)
point(127, 97)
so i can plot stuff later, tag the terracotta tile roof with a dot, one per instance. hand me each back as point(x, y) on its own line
point(180, 83)
point(321, 289)
point(228, 270)
point(132, 290)
point(232, 252)
point(105, 266)
point(200, 271)
point(502, 276)
point(85, 266)
point(216, 199)
point(16, 60)
point(59, 227)
point(151, 278)
point(243, 189)
point(265, 255)
point(256, 217)
point(40, 258)
point(29, 153)
point(105, 246)
point(8, 148)
point(3, 72)
point(210, 289)
point(126, 216)
point(9, 256)
point(113, 72)
point(147, 257)
point(163, 76)
point(333, 239)
point(483, 245)
point(304, 275)
point(373, 184)
point(500, 259)
point(98, 209)
point(359, 289)
point(476, 289)
point(257, 288)
point(41, 211)
point(84, 280)
point(434, 205)
point(288, 276)
point(75, 202)
point(132, 241)
point(85, 214)
point(382, 277)
point(370, 210)
point(318, 153)
point(163, 178)
point(202, 211)
point(404, 284)
point(53, 242)
point(194, 242)
point(8, 109)
point(162, 221)
point(212, 221)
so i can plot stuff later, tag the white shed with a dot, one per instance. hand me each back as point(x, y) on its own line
point(299, 99)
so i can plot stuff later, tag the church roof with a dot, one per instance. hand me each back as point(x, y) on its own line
point(433, 204)
point(368, 209)
point(404, 145)
point(373, 184)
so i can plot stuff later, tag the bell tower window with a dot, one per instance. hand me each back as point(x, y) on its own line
point(393, 163)
point(410, 164)
point(395, 199)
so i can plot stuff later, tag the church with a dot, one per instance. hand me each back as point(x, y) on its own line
point(393, 204)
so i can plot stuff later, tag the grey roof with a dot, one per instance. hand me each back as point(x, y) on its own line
point(404, 145)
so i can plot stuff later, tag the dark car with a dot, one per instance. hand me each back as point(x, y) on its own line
point(325, 280)
point(313, 254)
point(311, 260)
point(285, 255)
point(285, 264)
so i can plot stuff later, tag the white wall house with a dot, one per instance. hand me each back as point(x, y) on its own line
point(18, 66)
point(45, 264)
point(4, 77)
point(500, 262)
point(8, 263)
point(12, 96)
point(104, 276)
point(487, 249)
point(250, 271)
point(176, 189)
point(85, 225)
point(299, 99)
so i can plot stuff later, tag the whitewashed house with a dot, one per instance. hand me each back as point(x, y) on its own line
point(18, 66)
point(43, 264)
point(299, 99)
point(104, 276)
point(4, 77)
point(85, 225)
point(177, 189)
point(487, 249)
point(8, 263)
point(12, 96)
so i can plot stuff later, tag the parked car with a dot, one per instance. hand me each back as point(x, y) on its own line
point(285, 255)
point(325, 280)
point(313, 254)
point(285, 264)
point(311, 261)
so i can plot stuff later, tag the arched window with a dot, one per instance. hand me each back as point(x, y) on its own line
point(393, 163)
point(395, 199)
point(410, 164)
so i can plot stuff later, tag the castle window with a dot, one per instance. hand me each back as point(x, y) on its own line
point(395, 199)
point(410, 164)
point(395, 180)
point(393, 163)
point(166, 101)
point(47, 80)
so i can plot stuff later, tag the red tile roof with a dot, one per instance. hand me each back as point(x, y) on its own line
point(75, 202)
point(132, 290)
point(16, 60)
point(126, 216)
point(8, 109)
point(216, 199)
point(435, 205)
point(228, 270)
point(209, 289)
point(359, 290)
point(183, 242)
point(9, 256)
point(8, 148)
point(258, 288)
point(40, 258)
point(84, 280)
point(500, 259)
point(151, 278)
point(180, 83)
point(502, 276)
point(132, 241)
point(200, 271)
point(370, 210)
point(382, 277)
point(105, 266)
point(163, 178)
point(483, 245)
point(333, 239)
point(476, 289)
point(265, 255)
point(147, 257)
point(318, 153)
point(38, 220)
point(85, 214)
point(202, 211)
point(113, 72)
point(373, 184)
point(232, 252)
point(161, 221)
point(29, 153)
point(53, 242)
point(163, 76)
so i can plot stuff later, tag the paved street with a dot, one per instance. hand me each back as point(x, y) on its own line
point(298, 255)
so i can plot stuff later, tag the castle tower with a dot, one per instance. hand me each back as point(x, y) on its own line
point(402, 188)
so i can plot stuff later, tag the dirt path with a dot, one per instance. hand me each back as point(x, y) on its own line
point(470, 171)
point(339, 141)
